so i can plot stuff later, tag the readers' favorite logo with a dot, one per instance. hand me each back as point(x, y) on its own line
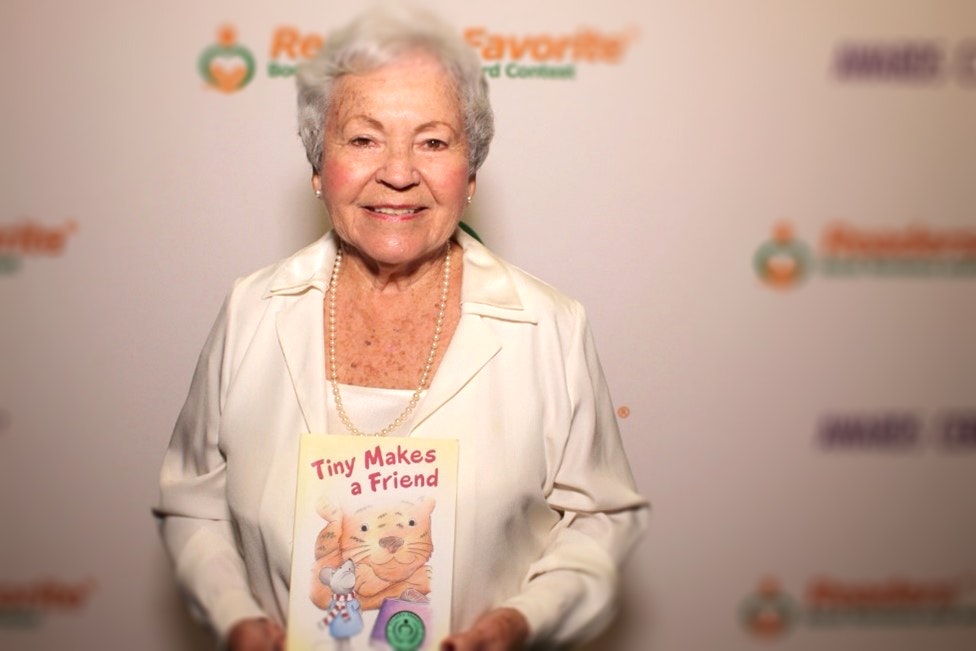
point(851, 250)
point(29, 239)
point(769, 613)
point(782, 262)
point(27, 605)
point(226, 65)
point(829, 602)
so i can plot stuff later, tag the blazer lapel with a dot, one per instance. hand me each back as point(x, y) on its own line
point(301, 336)
point(487, 292)
point(471, 347)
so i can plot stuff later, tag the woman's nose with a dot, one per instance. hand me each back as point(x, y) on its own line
point(398, 169)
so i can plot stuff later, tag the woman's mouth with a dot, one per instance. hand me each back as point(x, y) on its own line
point(395, 213)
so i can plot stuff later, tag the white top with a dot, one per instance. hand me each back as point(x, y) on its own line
point(546, 504)
point(370, 408)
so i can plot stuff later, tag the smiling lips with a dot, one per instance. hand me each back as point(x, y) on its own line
point(395, 213)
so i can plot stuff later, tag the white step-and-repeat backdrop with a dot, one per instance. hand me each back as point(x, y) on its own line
point(769, 209)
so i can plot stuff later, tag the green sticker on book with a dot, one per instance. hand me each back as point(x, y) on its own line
point(405, 631)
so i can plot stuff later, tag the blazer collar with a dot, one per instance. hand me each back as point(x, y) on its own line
point(487, 290)
point(309, 268)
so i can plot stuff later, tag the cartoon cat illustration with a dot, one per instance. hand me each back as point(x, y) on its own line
point(389, 544)
point(344, 612)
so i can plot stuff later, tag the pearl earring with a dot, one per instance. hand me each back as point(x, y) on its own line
point(318, 194)
point(469, 199)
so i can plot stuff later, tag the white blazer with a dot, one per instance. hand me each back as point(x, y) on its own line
point(546, 501)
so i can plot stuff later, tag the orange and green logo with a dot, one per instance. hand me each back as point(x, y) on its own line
point(782, 262)
point(848, 250)
point(27, 605)
point(30, 239)
point(769, 613)
point(226, 65)
point(829, 602)
point(229, 67)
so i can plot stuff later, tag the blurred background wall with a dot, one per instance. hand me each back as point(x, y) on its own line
point(767, 208)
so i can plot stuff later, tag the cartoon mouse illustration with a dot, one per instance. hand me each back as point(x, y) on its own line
point(344, 617)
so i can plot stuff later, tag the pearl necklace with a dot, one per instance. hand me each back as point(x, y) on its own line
point(428, 365)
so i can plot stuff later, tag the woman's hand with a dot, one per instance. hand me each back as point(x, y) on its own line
point(256, 634)
point(502, 629)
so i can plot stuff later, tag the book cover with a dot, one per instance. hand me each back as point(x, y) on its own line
point(373, 553)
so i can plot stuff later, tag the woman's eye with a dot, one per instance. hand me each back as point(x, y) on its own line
point(360, 141)
point(435, 144)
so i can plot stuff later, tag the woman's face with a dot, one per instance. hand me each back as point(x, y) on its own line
point(394, 173)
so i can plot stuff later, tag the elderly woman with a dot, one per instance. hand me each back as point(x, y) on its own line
point(398, 323)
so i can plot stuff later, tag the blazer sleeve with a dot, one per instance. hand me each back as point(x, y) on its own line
point(569, 593)
point(194, 519)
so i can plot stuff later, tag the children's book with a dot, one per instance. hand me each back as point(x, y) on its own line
point(373, 553)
